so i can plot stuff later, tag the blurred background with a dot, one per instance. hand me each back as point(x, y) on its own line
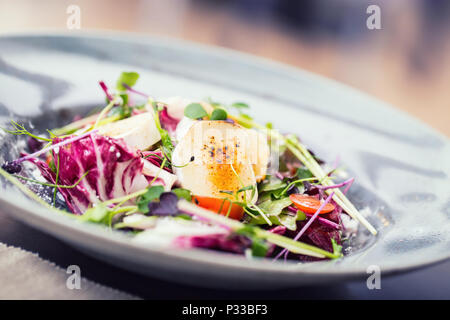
point(406, 62)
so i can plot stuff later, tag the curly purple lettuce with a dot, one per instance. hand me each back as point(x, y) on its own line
point(113, 169)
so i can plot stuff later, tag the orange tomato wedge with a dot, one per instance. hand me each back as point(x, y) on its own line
point(309, 204)
point(216, 204)
point(49, 159)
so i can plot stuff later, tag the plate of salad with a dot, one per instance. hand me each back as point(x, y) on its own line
point(211, 167)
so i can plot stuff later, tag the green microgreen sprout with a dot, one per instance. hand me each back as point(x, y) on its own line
point(195, 111)
point(20, 130)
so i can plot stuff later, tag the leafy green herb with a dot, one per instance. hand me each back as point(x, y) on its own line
point(124, 99)
point(167, 144)
point(301, 216)
point(120, 112)
point(245, 120)
point(195, 111)
point(128, 78)
point(152, 194)
point(284, 219)
point(304, 173)
point(288, 220)
point(219, 114)
point(274, 207)
point(337, 249)
point(183, 193)
point(20, 130)
point(250, 187)
point(259, 246)
point(97, 214)
point(166, 141)
point(264, 196)
point(298, 183)
point(240, 105)
point(272, 184)
point(51, 134)
point(227, 192)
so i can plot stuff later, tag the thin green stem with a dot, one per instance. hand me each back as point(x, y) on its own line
point(249, 213)
point(104, 112)
point(126, 198)
point(20, 130)
point(74, 126)
point(50, 184)
point(124, 209)
point(163, 163)
point(295, 182)
point(256, 208)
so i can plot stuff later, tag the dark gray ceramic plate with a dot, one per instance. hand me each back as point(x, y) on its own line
point(401, 166)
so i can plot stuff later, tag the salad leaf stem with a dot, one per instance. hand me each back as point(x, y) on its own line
point(76, 125)
point(50, 184)
point(20, 130)
point(126, 198)
point(163, 163)
point(104, 112)
point(105, 90)
point(258, 209)
point(125, 209)
point(295, 182)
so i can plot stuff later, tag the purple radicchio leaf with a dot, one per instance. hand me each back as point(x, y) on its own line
point(114, 170)
point(222, 242)
point(321, 236)
point(167, 122)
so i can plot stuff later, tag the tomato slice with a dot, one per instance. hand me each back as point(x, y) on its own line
point(309, 204)
point(215, 204)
